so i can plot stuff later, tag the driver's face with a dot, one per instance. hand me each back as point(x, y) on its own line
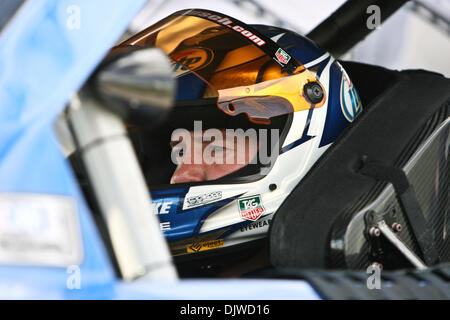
point(233, 154)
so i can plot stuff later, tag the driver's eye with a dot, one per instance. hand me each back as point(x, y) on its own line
point(214, 150)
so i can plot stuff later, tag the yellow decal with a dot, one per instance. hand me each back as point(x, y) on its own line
point(204, 245)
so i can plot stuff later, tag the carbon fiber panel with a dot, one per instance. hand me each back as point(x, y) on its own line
point(427, 171)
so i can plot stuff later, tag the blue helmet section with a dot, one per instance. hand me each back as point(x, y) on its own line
point(179, 224)
point(190, 87)
point(336, 121)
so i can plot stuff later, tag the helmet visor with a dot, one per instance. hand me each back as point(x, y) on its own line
point(215, 56)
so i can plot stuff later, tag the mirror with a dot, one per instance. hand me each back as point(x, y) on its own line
point(137, 84)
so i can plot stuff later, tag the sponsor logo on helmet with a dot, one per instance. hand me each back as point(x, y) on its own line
point(202, 199)
point(228, 22)
point(190, 60)
point(251, 208)
point(256, 225)
point(350, 102)
point(204, 245)
point(282, 57)
point(160, 207)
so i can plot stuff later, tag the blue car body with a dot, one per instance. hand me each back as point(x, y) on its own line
point(44, 60)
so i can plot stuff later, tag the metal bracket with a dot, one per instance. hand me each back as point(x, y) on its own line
point(409, 204)
point(398, 243)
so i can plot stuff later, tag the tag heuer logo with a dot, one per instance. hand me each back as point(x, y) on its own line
point(282, 56)
point(251, 208)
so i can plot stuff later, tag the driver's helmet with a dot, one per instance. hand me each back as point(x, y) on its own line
point(266, 90)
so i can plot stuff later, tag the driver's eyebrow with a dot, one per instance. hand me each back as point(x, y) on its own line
point(173, 144)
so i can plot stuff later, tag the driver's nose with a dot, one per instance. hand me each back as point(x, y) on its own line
point(188, 173)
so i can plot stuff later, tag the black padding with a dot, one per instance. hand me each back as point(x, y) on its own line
point(390, 120)
point(387, 173)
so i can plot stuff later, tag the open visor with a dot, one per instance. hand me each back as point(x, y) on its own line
point(215, 56)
